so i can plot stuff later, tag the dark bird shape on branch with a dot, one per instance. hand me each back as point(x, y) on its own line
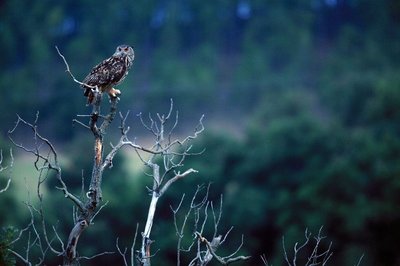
point(109, 73)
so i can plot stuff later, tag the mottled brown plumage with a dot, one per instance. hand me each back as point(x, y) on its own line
point(109, 73)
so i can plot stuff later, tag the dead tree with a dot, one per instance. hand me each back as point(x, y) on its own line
point(164, 161)
point(46, 160)
point(165, 164)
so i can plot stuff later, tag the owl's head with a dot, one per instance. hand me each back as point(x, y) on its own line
point(125, 50)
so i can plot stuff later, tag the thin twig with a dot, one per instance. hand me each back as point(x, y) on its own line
point(98, 211)
point(133, 245)
point(264, 259)
point(20, 257)
point(96, 255)
point(7, 186)
point(70, 73)
point(121, 253)
point(359, 261)
point(218, 258)
point(175, 178)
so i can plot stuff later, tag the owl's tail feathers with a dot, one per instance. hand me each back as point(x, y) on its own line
point(90, 95)
point(87, 91)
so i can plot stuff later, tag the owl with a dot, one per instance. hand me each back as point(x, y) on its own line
point(109, 73)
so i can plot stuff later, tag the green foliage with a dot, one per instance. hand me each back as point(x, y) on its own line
point(7, 235)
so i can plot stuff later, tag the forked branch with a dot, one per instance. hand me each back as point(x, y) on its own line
point(316, 257)
point(46, 157)
point(6, 168)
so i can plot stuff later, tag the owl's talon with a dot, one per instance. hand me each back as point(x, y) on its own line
point(114, 93)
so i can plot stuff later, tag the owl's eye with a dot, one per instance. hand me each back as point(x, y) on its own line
point(126, 49)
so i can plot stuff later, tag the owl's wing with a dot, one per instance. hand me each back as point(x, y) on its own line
point(107, 73)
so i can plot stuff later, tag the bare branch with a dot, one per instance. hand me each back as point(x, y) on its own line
point(121, 253)
point(316, 257)
point(175, 178)
point(264, 259)
point(58, 238)
point(49, 162)
point(203, 257)
point(194, 207)
point(226, 235)
point(44, 232)
point(359, 261)
point(80, 123)
point(211, 248)
point(98, 211)
point(236, 251)
point(23, 230)
point(20, 257)
point(296, 249)
point(3, 168)
point(179, 233)
point(205, 217)
point(96, 255)
point(133, 245)
point(285, 252)
point(70, 73)
point(7, 186)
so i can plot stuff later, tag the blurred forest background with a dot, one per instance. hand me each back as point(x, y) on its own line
point(302, 113)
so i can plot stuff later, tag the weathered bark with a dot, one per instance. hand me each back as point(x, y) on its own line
point(70, 252)
point(94, 193)
point(146, 241)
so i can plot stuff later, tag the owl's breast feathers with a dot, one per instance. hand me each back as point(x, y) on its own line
point(105, 75)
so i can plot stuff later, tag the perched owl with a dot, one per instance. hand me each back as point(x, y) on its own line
point(109, 73)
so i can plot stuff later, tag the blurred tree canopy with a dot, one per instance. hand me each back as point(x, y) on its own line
point(302, 100)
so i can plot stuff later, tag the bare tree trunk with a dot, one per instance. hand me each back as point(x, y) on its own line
point(94, 194)
point(146, 241)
